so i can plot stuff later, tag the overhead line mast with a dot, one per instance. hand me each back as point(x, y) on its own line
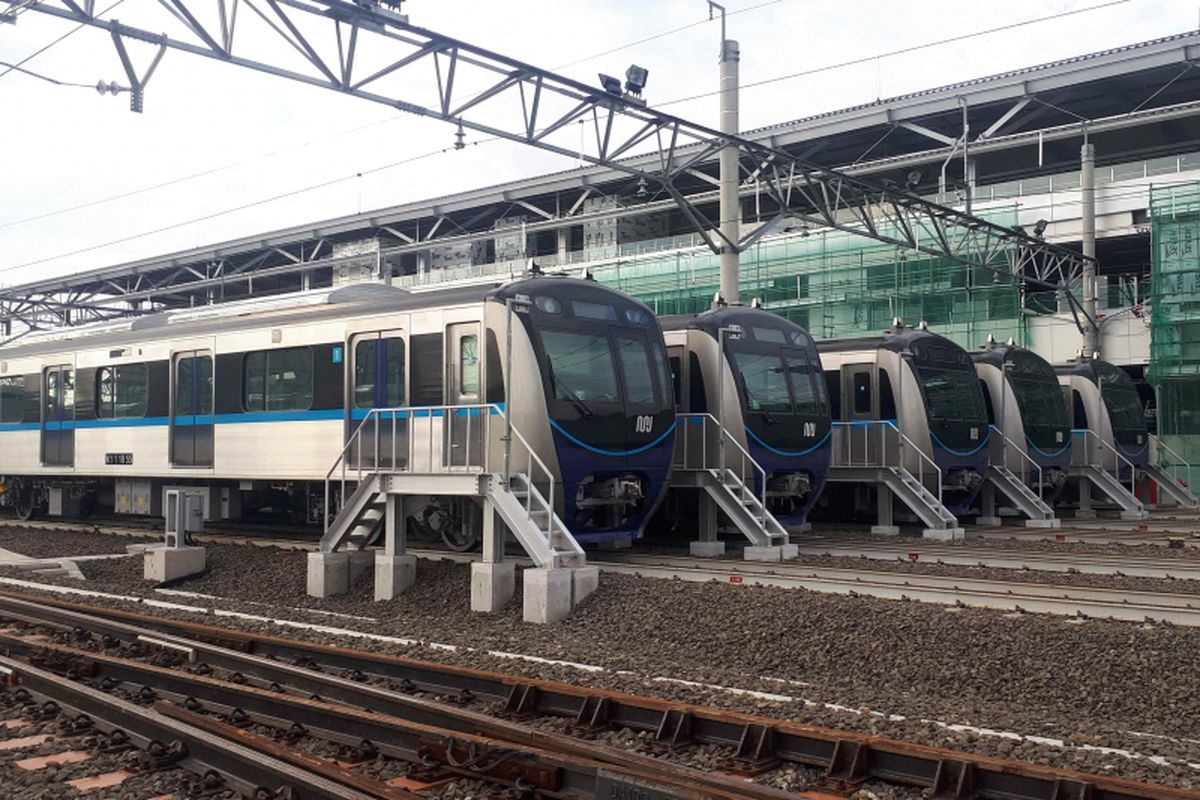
point(366, 50)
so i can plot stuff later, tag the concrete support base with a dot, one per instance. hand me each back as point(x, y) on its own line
point(885, 530)
point(994, 521)
point(1083, 513)
point(944, 534)
point(328, 574)
point(548, 594)
point(361, 562)
point(1135, 515)
point(393, 574)
point(616, 544)
point(492, 585)
point(769, 553)
point(706, 549)
point(584, 582)
point(1053, 522)
point(789, 551)
point(162, 564)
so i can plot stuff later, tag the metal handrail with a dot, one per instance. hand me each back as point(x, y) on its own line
point(902, 441)
point(1088, 433)
point(380, 416)
point(745, 459)
point(1005, 443)
point(1159, 447)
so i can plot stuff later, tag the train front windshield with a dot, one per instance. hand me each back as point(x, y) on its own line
point(1124, 406)
point(584, 367)
point(1040, 400)
point(953, 398)
point(779, 384)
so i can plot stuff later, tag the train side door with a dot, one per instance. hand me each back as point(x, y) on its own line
point(377, 378)
point(463, 384)
point(192, 409)
point(58, 416)
point(860, 407)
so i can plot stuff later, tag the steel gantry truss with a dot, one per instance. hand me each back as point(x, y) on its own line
point(365, 49)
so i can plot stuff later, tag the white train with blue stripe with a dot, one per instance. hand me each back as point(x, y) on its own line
point(251, 402)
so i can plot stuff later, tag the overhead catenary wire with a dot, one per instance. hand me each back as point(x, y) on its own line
point(44, 48)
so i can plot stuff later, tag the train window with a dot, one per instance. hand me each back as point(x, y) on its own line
point(764, 382)
point(637, 316)
point(581, 367)
point(635, 368)
point(193, 386)
point(601, 311)
point(12, 399)
point(468, 365)
point(862, 393)
point(952, 395)
point(773, 335)
point(122, 391)
point(278, 380)
point(379, 362)
point(808, 393)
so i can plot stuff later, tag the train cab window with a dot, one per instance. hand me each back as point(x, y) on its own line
point(278, 380)
point(581, 367)
point(807, 386)
point(635, 369)
point(122, 391)
point(379, 373)
point(862, 392)
point(764, 383)
point(600, 311)
point(12, 399)
point(468, 366)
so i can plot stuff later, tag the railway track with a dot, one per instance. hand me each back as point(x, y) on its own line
point(262, 715)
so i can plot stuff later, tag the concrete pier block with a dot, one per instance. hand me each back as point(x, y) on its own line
point(492, 585)
point(393, 574)
point(547, 594)
point(584, 581)
point(361, 562)
point(885, 530)
point(707, 549)
point(993, 521)
point(328, 574)
point(1135, 515)
point(944, 534)
point(162, 564)
point(616, 544)
point(1084, 513)
point(768, 553)
point(789, 551)
point(1053, 522)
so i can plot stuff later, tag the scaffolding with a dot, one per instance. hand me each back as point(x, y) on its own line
point(838, 284)
point(1175, 316)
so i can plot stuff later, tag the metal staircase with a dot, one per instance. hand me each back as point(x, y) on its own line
point(1024, 499)
point(1099, 463)
point(470, 450)
point(877, 452)
point(708, 457)
point(1166, 460)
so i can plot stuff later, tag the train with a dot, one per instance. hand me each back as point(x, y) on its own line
point(1025, 404)
point(912, 385)
point(1103, 401)
point(760, 376)
point(250, 402)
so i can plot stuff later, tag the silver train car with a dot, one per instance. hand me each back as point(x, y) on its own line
point(1025, 404)
point(1102, 399)
point(768, 393)
point(251, 403)
point(925, 386)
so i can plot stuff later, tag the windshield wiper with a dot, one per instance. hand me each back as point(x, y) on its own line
point(580, 405)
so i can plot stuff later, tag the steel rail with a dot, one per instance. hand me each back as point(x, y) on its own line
point(242, 769)
point(762, 741)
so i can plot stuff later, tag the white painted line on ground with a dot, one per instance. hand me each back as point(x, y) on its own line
point(203, 596)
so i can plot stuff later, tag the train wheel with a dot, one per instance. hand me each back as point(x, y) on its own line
point(24, 502)
point(459, 538)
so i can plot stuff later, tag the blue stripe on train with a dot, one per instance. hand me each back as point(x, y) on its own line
point(202, 419)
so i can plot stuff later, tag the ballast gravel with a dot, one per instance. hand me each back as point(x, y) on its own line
point(978, 680)
point(59, 542)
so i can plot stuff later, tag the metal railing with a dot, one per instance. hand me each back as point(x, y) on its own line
point(864, 443)
point(439, 440)
point(714, 455)
point(1176, 461)
point(1007, 445)
point(1086, 454)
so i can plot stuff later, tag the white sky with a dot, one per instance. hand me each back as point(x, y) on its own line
point(265, 136)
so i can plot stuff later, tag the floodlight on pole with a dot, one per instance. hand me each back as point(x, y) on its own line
point(635, 79)
point(610, 84)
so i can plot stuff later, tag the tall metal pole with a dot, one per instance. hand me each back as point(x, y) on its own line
point(1087, 186)
point(731, 210)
